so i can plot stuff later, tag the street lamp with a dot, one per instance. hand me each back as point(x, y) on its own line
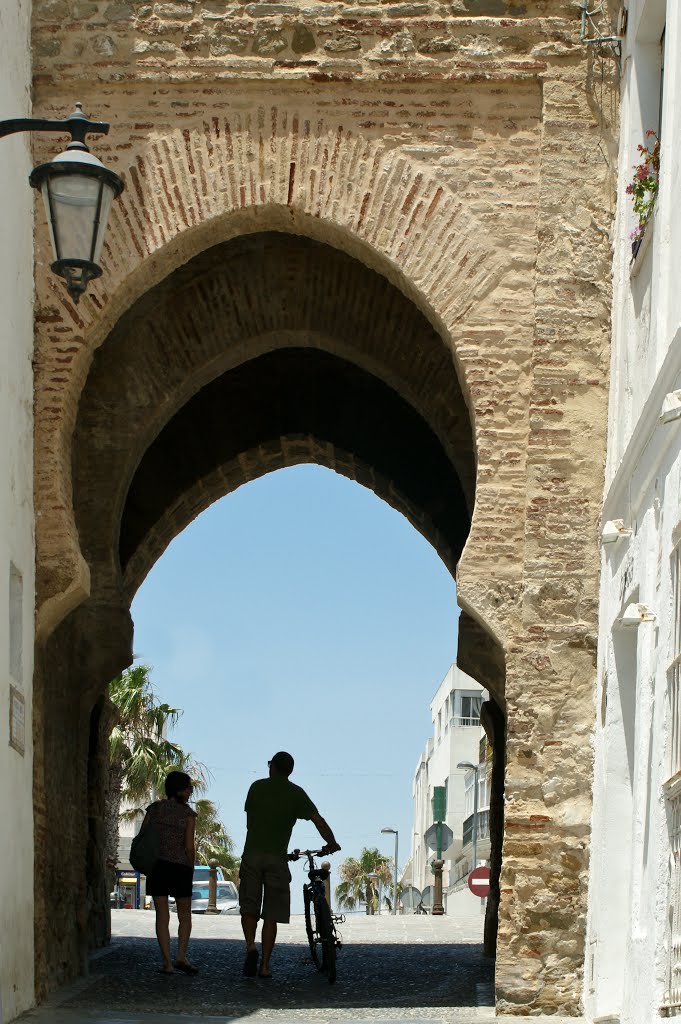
point(78, 191)
point(393, 832)
point(469, 766)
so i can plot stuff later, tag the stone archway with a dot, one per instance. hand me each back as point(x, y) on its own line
point(262, 352)
point(456, 173)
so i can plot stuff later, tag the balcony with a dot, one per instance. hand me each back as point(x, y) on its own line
point(483, 827)
point(457, 722)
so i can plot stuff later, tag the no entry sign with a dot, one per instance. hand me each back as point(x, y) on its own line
point(478, 882)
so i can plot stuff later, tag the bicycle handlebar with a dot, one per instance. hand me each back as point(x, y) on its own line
point(297, 854)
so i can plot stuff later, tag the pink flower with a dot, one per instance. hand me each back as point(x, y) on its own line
point(649, 133)
point(629, 190)
point(643, 172)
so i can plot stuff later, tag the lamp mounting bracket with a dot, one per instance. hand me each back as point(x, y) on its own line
point(77, 124)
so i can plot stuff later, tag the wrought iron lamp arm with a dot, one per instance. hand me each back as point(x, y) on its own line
point(77, 125)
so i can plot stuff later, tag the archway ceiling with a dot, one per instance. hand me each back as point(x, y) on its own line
point(289, 406)
point(265, 351)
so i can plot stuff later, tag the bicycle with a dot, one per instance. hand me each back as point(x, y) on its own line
point(320, 923)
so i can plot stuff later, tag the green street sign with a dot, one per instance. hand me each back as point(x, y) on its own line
point(439, 803)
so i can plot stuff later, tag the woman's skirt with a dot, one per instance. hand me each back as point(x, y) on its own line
point(169, 879)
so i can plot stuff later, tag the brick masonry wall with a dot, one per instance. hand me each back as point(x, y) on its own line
point(463, 152)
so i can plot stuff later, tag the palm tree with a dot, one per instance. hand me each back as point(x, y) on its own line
point(362, 878)
point(140, 754)
point(213, 842)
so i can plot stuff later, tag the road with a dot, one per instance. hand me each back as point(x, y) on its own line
point(425, 970)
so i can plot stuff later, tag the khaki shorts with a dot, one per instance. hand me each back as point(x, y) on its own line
point(265, 887)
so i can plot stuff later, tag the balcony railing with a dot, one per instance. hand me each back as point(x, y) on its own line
point(457, 721)
point(483, 827)
point(672, 998)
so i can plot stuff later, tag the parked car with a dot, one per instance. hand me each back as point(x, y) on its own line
point(227, 901)
point(202, 873)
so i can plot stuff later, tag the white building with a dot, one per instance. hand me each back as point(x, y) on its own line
point(17, 555)
point(475, 846)
point(455, 712)
point(633, 955)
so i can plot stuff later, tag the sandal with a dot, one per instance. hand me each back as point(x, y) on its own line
point(186, 967)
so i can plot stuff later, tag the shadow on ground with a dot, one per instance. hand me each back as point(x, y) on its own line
point(402, 976)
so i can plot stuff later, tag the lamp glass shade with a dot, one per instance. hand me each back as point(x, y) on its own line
point(78, 192)
point(78, 209)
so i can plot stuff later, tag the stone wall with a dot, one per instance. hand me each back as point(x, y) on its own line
point(462, 155)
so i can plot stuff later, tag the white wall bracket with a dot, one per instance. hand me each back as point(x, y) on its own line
point(635, 614)
point(613, 531)
point(671, 407)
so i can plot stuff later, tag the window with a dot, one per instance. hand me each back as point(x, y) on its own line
point(672, 997)
point(16, 624)
point(469, 794)
point(659, 116)
point(470, 707)
point(484, 789)
point(674, 674)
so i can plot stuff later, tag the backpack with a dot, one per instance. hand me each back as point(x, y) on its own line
point(145, 848)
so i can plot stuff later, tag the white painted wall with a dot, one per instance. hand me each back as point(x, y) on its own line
point(16, 514)
point(449, 744)
point(628, 935)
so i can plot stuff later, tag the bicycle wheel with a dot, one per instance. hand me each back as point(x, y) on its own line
point(327, 938)
point(310, 926)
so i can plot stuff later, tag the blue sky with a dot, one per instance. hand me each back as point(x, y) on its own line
point(303, 613)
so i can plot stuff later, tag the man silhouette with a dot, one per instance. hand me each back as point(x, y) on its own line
point(273, 806)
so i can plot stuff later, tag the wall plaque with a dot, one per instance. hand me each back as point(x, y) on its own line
point(17, 719)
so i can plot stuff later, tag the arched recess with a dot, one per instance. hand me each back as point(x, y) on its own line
point(264, 351)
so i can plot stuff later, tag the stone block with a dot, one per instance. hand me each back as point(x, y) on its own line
point(268, 43)
point(303, 40)
point(343, 42)
point(119, 12)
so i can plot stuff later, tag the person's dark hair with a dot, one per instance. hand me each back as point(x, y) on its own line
point(176, 782)
point(283, 763)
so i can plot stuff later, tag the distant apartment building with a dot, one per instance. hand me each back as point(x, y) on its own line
point(455, 712)
point(475, 846)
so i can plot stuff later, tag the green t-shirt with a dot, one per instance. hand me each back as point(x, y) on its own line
point(272, 808)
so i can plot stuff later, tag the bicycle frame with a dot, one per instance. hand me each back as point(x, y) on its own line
point(322, 934)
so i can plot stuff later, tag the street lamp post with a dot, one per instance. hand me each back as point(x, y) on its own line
point(78, 191)
point(475, 768)
point(393, 832)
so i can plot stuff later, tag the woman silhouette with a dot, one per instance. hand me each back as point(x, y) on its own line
point(173, 872)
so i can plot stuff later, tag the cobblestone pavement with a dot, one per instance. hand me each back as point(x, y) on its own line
point(423, 970)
